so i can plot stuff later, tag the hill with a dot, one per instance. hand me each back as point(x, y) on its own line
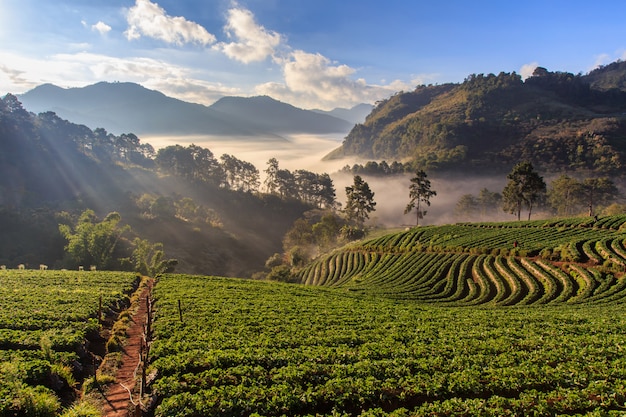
point(49, 166)
point(558, 121)
point(129, 107)
point(563, 261)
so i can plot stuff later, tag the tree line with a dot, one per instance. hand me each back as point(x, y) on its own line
point(527, 190)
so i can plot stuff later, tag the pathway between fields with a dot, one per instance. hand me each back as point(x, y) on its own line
point(118, 399)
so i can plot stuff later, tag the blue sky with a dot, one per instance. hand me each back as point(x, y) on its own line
point(310, 53)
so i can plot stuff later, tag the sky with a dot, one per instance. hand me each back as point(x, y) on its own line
point(314, 54)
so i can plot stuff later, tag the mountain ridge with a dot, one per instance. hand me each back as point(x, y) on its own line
point(129, 107)
point(488, 122)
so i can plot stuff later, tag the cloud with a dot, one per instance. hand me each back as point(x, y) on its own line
point(80, 69)
point(312, 80)
point(252, 42)
point(149, 19)
point(527, 70)
point(101, 27)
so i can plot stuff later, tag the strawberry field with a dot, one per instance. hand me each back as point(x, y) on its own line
point(227, 347)
point(565, 261)
point(46, 319)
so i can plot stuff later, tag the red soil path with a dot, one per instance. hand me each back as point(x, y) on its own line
point(118, 397)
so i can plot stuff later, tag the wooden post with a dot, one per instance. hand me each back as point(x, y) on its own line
point(100, 311)
point(180, 312)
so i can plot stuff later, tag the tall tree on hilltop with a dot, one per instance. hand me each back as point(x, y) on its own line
point(525, 187)
point(360, 201)
point(419, 192)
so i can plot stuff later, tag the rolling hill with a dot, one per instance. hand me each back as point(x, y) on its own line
point(566, 261)
point(558, 121)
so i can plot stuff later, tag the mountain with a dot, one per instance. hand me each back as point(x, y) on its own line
point(557, 120)
point(354, 115)
point(263, 113)
point(129, 107)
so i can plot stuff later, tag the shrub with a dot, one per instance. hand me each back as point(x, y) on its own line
point(82, 410)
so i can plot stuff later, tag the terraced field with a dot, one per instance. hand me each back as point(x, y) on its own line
point(577, 260)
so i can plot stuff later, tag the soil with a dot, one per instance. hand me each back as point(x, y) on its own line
point(123, 396)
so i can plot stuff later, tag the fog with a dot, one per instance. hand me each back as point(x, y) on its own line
point(391, 194)
point(292, 152)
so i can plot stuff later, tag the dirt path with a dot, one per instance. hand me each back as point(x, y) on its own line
point(118, 396)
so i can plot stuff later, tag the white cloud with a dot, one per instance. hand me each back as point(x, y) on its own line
point(101, 27)
point(528, 69)
point(149, 19)
point(313, 81)
point(80, 69)
point(252, 42)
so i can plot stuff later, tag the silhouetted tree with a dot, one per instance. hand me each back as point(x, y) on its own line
point(360, 202)
point(419, 192)
point(598, 191)
point(525, 187)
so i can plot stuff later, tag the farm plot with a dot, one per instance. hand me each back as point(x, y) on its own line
point(46, 319)
point(541, 262)
point(242, 348)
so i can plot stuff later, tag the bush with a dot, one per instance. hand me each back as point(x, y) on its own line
point(280, 273)
point(82, 410)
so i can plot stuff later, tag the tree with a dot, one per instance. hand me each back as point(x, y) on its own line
point(488, 202)
point(466, 206)
point(91, 242)
point(598, 191)
point(525, 187)
point(565, 195)
point(419, 192)
point(148, 258)
point(360, 201)
point(271, 176)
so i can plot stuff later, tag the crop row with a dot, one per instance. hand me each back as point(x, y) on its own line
point(46, 318)
point(469, 279)
point(248, 347)
point(484, 263)
point(528, 238)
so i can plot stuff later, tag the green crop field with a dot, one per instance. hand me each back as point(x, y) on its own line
point(485, 319)
point(516, 263)
point(46, 319)
point(256, 348)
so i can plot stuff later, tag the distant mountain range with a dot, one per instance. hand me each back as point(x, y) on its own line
point(131, 108)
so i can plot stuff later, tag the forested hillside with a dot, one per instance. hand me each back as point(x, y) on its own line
point(558, 121)
point(208, 212)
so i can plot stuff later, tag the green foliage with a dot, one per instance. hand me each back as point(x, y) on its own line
point(432, 262)
point(277, 349)
point(93, 242)
point(360, 202)
point(568, 196)
point(525, 188)
point(148, 258)
point(557, 120)
point(46, 318)
point(419, 192)
point(82, 409)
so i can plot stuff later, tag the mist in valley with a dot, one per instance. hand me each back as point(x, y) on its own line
point(391, 193)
